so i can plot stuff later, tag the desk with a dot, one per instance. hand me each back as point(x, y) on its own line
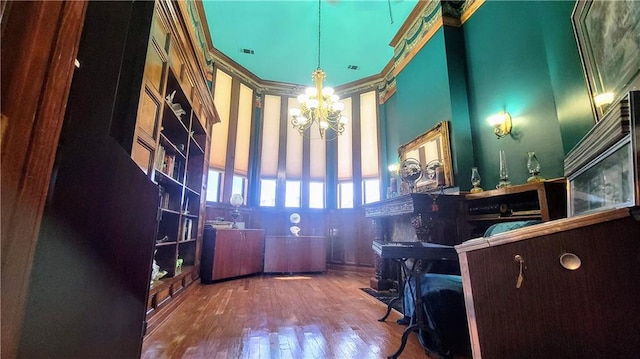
point(424, 255)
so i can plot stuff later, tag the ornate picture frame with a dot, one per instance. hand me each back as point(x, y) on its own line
point(432, 150)
point(608, 38)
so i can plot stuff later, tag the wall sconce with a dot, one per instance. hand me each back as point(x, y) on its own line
point(501, 123)
point(603, 99)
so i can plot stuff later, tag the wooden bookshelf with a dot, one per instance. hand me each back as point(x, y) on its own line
point(175, 115)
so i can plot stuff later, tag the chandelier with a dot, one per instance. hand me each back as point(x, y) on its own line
point(318, 105)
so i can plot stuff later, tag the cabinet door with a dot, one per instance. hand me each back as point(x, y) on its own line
point(255, 254)
point(299, 254)
point(275, 254)
point(560, 313)
point(245, 253)
point(318, 259)
point(224, 264)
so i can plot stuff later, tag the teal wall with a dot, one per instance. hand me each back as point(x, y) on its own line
point(425, 95)
point(521, 57)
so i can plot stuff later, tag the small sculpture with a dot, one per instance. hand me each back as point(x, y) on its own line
point(475, 180)
point(534, 168)
point(410, 172)
point(156, 273)
point(504, 172)
point(295, 219)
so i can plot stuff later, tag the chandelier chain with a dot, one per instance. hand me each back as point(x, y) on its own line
point(319, 32)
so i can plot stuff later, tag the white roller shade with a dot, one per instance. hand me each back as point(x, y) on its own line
point(270, 136)
point(243, 136)
point(294, 146)
point(345, 147)
point(369, 135)
point(222, 100)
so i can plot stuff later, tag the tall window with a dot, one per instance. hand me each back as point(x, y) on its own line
point(268, 192)
point(371, 190)
point(270, 150)
point(238, 186)
point(316, 194)
point(292, 194)
point(369, 147)
point(345, 195)
point(213, 186)
point(345, 160)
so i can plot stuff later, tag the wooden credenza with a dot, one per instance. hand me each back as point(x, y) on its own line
point(291, 254)
point(588, 309)
point(230, 253)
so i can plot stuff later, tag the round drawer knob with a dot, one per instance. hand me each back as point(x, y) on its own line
point(570, 261)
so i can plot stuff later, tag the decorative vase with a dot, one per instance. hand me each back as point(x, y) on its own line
point(504, 172)
point(534, 168)
point(475, 180)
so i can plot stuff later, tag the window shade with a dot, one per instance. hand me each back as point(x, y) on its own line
point(270, 136)
point(369, 135)
point(243, 136)
point(220, 133)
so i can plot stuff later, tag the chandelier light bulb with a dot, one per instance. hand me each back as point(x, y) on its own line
point(338, 106)
point(327, 91)
point(313, 103)
point(302, 120)
point(311, 91)
point(324, 125)
point(344, 120)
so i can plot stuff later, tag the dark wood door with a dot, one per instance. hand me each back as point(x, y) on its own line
point(92, 265)
point(39, 44)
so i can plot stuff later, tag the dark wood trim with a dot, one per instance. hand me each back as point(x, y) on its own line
point(39, 45)
point(231, 140)
point(282, 154)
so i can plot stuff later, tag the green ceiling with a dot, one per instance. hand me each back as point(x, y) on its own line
point(283, 35)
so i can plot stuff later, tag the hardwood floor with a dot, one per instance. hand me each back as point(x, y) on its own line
point(269, 317)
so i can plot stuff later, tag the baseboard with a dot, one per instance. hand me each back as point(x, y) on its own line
point(351, 268)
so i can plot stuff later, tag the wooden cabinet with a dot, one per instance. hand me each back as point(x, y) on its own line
point(532, 201)
point(586, 309)
point(229, 253)
point(290, 254)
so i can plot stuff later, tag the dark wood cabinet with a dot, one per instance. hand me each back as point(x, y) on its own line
point(578, 294)
point(230, 253)
point(542, 201)
point(291, 254)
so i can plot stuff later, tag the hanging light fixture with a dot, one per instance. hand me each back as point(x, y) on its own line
point(318, 105)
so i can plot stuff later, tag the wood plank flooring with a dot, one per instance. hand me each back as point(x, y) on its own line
point(277, 317)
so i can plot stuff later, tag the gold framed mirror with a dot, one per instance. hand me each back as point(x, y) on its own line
point(433, 150)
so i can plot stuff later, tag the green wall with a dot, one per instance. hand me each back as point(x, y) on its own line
point(521, 57)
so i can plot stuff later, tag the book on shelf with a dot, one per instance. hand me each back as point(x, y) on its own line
point(159, 159)
point(169, 161)
point(164, 198)
point(187, 226)
point(185, 209)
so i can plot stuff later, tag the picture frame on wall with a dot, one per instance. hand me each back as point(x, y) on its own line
point(608, 38)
